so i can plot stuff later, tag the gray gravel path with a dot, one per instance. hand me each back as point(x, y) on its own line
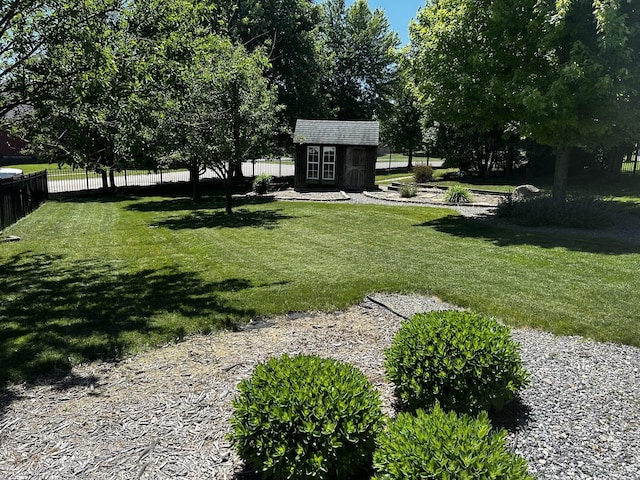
point(165, 413)
point(580, 416)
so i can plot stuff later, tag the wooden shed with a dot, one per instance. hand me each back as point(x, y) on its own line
point(336, 154)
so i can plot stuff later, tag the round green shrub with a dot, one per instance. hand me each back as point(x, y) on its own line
point(261, 183)
point(458, 194)
point(423, 173)
point(439, 445)
point(408, 191)
point(306, 417)
point(464, 361)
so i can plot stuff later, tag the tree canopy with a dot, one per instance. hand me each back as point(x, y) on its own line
point(286, 30)
point(360, 59)
point(562, 73)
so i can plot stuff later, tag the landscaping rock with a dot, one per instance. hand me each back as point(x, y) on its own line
point(524, 192)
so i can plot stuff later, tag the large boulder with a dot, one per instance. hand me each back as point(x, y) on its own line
point(524, 192)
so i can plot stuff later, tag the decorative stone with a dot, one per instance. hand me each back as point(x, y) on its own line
point(524, 192)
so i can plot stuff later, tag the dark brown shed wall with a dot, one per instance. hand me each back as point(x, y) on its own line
point(300, 179)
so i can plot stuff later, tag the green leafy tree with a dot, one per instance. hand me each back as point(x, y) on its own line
point(222, 111)
point(401, 127)
point(360, 60)
point(562, 73)
point(466, 82)
point(75, 89)
point(287, 31)
point(588, 95)
point(25, 26)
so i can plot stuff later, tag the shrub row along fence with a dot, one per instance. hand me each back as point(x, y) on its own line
point(21, 195)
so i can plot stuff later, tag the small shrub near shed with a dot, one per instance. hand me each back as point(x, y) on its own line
point(458, 194)
point(464, 361)
point(439, 445)
point(261, 183)
point(422, 173)
point(307, 417)
point(408, 191)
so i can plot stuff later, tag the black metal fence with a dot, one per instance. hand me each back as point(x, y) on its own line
point(632, 165)
point(21, 195)
point(80, 180)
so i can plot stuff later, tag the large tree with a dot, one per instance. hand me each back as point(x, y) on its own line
point(77, 88)
point(287, 31)
point(401, 127)
point(360, 60)
point(587, 93)
point(222, 112)
point(563, 73)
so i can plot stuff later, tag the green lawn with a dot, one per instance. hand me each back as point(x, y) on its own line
point(32, 167)
point(101, 278)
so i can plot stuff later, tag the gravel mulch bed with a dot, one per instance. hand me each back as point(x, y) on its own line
point(165, 413)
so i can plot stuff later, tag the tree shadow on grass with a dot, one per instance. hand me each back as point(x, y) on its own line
point(176, 204)
point(268, 219)
point(169, 204)
point(504, 235)
point(56, 313)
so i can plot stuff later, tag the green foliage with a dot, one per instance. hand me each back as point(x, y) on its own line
point(464, 361)
point(561, 73)
point(577, 212)
point(458, 194)
point(408, 191)
point(261, 183)
point(306, 417)
point(439, 445)
point(295, 54)
point(401, 127)
point(423, 173)
point(360, 59)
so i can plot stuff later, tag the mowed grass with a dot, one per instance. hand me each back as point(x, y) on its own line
point(98, 279)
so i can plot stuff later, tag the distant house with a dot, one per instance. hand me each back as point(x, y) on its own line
point(336, 154)
point(11, 150)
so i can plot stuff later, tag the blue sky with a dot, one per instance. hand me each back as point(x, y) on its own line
point(399, 13)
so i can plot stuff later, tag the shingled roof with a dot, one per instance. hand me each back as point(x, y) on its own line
point(335, 132)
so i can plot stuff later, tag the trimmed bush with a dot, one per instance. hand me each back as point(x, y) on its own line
point(464, 361)
point(408, 191)
point(422, 173)
point(458, 194)
point(261, 183)
point(440, 445)
point(306, 417)
point(580, 212)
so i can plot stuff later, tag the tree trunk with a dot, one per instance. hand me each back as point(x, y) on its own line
point(614, 158)
point(228, 207)
point(561, 175)
point(194, 178)
point(112, 179)
point(410, 162)
point(237, 172)
point(510, 158)
point(105, 181)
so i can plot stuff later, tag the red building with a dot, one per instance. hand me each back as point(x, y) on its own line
point(11, 147)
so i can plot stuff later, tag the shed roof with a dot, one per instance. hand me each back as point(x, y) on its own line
point(337, 132)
